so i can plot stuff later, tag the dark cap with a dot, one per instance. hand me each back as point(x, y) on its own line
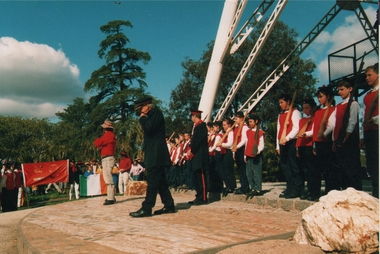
point(195, 111)
point(142, 102)
point(239, 114)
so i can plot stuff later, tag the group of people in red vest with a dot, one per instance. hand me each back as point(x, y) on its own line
point(323, 144)
point(10, 187)
point(327, 141)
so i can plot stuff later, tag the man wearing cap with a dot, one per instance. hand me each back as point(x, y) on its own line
point(156, 159)
point(124, 170)
point(200, 160)
point(107, 146)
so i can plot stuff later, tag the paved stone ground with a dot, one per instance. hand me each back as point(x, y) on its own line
point(86, 226)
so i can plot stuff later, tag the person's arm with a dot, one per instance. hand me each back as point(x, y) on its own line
point(260, 147)
point(354, 112)
point(230, 140)
point(296, 117)
point(243, 136)
point(330, 123)
point(217, 138)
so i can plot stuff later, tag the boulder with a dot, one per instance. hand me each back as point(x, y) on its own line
point(136, 188)
point(346, 221)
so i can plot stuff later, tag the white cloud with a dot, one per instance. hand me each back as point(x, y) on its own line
point(19, 108)
point(35, 79)
point(345, 34)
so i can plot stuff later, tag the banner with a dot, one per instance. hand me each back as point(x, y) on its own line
point(93, 185)
point(45, 172)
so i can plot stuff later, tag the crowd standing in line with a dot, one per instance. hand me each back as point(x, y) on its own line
point(326, 143)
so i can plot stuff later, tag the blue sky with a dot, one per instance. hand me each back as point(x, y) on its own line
point(48, 49)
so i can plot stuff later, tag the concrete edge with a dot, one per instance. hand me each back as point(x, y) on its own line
point(217, 249)
point(262, 201)
point(23, 246)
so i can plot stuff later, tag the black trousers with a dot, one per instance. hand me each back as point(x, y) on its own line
point(371, 142)
point(157, 183)
point(240, 163)
point(200, 184)
point(228, 175)
point(9, 200)
point(289, 165)
point(306, 163)
point(348, 160)
point(215, 180)
point(325, 165)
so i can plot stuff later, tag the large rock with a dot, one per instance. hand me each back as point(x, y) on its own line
point(345, 221)
point(136, 188)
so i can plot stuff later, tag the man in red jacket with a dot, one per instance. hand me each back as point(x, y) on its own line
point(107, 146)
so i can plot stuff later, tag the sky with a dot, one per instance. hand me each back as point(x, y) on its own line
point(48, 49)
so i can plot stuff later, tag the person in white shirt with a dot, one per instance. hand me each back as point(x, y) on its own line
point(136, 170)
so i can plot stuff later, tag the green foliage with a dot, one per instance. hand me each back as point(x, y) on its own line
point(25, 140)
point(120, 81)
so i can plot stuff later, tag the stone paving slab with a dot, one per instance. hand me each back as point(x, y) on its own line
point(86, 226)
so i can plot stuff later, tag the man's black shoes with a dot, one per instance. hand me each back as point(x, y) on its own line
point(305, 196)
point(165, 210)
point(140, 213)
point(198, 202)
point(109, 202)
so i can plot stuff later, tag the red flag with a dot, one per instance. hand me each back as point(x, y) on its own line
point(45, 172)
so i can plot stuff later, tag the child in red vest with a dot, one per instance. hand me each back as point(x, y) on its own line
point(252, 155)
point(346, 138)
point(286, 147)
point(304, 144)
point(370, 137)
point(323, 124)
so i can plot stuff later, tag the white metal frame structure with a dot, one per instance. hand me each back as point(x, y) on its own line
point(231, 15)
point(252, 57)
point(288, 61)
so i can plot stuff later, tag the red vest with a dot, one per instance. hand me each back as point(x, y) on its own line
point(173, 153)
point(368, 98)
point(282, 118)
point(211, 144)
point(236, 129)
point(18, 182)
point(340, 109)
point(317, 119)
point(305, 141)
point(10, 181)
point(251, 134)
point(186, 149)
point(222, 149)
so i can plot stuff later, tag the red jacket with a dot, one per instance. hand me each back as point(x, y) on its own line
point(106, 144)
point(125, 164)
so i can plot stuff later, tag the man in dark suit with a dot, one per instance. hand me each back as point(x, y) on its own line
point(200, 160)
point(156, 158)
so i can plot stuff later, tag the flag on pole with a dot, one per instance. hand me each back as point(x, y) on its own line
point(93, 185)
point(41, 173)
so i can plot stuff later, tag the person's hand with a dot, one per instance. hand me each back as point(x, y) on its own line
point(361, 144)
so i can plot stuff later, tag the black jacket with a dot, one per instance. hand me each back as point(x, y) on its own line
point(155, 149)
point(199, 147)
